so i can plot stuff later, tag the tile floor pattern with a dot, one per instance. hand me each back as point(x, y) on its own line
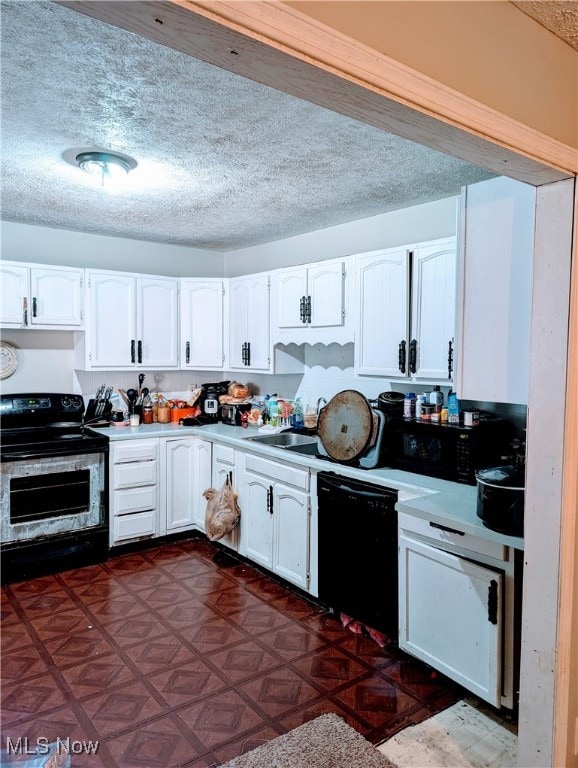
point(168, 658)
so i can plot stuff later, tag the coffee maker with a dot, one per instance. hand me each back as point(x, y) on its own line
point(210, 400)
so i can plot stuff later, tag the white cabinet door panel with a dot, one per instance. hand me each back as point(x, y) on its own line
point(202, 458)
point(56, 297)
point(291, 290)
point(179, 466)
point(157, 323)
point(450, 616)
point(258, 324)
point(202, 318)
point(257, 521)
point(433, 308)
point(15, 292)
point(112, 327)
point(326, 290)
point(290, 556)
point(382, 306)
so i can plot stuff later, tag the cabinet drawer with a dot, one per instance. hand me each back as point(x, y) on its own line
point(135, 450)
point(133, 475)
point(134, 526)
point(223, 454)
point(285, 473)
point(134, 500)
point(450, 535)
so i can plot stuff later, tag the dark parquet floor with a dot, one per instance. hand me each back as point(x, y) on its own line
point(180, 656)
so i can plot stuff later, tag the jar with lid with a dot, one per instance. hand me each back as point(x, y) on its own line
point(147, 414)
point(409, 405)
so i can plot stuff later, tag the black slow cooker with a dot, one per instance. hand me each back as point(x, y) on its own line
point(501, 499)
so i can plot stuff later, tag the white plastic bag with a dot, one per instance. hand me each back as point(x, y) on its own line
point(222, 513)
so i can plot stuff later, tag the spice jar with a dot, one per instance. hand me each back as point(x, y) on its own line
point(147, 414)
point(163, 414)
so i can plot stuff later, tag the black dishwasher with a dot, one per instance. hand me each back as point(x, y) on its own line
point(358, 551)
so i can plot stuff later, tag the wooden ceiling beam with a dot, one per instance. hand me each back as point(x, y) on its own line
point(277, 46)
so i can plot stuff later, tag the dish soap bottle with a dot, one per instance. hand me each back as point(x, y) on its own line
point(298, 417)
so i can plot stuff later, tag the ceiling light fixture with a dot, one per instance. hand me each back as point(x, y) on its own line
point(107, 165)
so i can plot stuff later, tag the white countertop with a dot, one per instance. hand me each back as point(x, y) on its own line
point(441, 501)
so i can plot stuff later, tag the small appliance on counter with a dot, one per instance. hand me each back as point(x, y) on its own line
point(209, 400)
point(231, 413)
point(500, 504)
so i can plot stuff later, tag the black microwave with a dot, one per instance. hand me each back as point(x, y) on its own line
point(449, 451)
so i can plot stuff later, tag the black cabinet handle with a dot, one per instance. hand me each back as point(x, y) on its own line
point(243, 353)
point(270, 499)
point(139, 353)
point(413, 356)
point(248, 353)
point(308, 309)
point(401, 356)
point(34, 307)
point(302, 309)
point(132, 351)
point(188, 352)
point(445, 528)
point(450, 358)
point(493, 602)
point(230, 477)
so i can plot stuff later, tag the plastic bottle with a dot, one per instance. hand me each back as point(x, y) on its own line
point(409, 406)
point(298, 417)
point(436, 398)
point(419, 403)
point(273, 412)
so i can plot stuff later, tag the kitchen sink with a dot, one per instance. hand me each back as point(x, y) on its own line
point(307, 449)
point(290, 440)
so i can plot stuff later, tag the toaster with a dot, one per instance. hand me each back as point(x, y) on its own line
point(231, 413)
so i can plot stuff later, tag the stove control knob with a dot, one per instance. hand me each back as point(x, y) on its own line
point(65, 402)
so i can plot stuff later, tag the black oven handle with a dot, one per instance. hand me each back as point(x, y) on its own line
point(51, 455)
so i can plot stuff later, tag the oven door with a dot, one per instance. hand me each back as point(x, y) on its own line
point(47, 496)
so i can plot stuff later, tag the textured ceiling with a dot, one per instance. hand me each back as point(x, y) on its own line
point(559, 16)
point(223, 162)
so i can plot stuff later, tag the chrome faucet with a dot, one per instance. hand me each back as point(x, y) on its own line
point(319, 402)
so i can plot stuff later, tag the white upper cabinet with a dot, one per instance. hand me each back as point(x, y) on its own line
point(433, 311)
point(399, 338)
point(311, 296)
point(382, 311)
point(249, 330)
point(495, 291)
point(38, 296)
point(202, 324)
point(133, 321)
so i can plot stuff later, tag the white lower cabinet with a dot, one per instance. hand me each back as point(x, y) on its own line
point(134, 494)
point(185, 474)
point(156, 487)
point(275, 512)
point(456, 607)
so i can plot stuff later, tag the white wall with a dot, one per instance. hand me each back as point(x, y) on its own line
point(63, 247)
point(45, 362)
point(408, 225)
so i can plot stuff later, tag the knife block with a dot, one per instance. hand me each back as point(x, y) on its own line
point(92, 414)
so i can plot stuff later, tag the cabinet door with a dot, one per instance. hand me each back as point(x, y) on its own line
point(258, 329)
point(202, 324)
point(249, 323)
point(180, 487)
point(157, 322)
point(291, 290)
point(56, 297)
point(325, 285)
point(15, 292)
point(433, 308)
point(257, 525)
point(495, 291)
point(112, 324)
point(238, 329)
point(450, 616)
point(220, 471)
point(202, 457)
point(382, 305)
point(290, 557)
